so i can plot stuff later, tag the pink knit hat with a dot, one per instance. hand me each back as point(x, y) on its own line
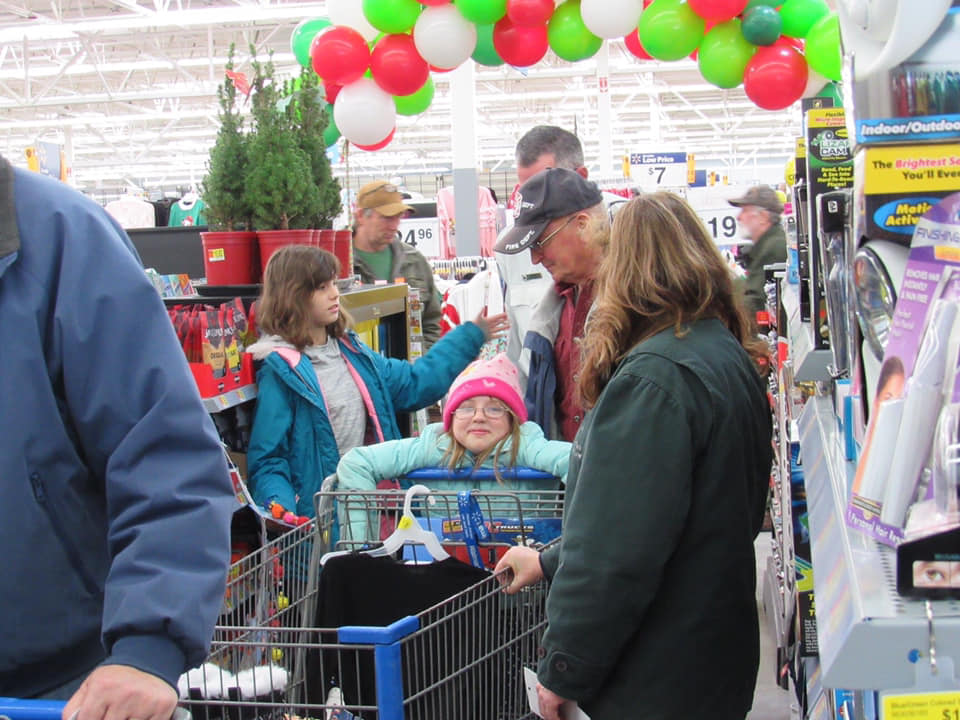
point(496, 377)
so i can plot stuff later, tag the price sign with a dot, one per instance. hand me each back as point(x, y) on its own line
point(658, 170)
point(921, 706)
point(421, 233)
point(722, 224)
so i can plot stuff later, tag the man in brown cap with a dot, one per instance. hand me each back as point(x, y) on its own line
point(759, 220)
point(378, 253)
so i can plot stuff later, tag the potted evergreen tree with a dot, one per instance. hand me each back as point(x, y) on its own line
point(280, 191)
point(230, 249)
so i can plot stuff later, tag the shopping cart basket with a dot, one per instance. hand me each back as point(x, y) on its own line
point(16, 709)
point(461, 658)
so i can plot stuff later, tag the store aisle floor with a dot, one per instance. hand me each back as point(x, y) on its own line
point(770, 702)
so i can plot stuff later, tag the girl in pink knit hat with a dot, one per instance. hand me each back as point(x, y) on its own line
point(484, 425)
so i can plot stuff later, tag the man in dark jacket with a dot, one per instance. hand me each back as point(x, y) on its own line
point(115, 521)
point(759, 219)
point(378, 253)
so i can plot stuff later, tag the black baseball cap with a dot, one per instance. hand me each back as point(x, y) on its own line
point(548, 195)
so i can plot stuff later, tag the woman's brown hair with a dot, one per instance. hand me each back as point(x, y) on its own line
point(661, 269)
point(293, 273)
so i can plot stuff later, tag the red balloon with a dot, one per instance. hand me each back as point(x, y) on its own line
point(636, 47)
point(519, 46)
point(434, 2)
point(717, 10)
point(776, 76)
point(339, 55)
point(529, 13)
point(330, 92)
point(396, 65)
point(434, 68)
point(380, 145)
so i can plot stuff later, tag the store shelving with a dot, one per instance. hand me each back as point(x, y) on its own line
point(227, 400)
point(869, 636)
point(810, 364)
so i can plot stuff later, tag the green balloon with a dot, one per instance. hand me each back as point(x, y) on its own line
point(331, 133)
point(303, 35)
point(670, 29)
point(485, 53)
point(392, 16)
point(761, 25)
point(724, 54)
point(568, 37)
point(822, 48)
point(417, 102)
point(482, 12)
point(764, 3)
point(800, 15)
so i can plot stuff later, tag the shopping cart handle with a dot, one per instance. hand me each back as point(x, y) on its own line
point(17, 709)
point(445, 473)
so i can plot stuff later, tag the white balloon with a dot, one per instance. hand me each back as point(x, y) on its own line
point(364, 113)
point(350, 13)
point(611, 18)
point(815, 83)
point(444, 37)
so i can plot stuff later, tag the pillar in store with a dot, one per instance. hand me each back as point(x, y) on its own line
point(464, 138)
point(607, 161)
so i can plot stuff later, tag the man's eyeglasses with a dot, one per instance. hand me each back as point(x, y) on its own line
point(541, 243)
point(492, 412)
point(386, 187)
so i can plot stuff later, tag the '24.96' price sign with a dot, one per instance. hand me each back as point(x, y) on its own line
point(421, 233)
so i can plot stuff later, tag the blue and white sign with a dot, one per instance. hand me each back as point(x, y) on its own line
point(653, 171)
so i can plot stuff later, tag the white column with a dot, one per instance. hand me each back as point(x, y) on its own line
point(464, 147)
point(607, 162)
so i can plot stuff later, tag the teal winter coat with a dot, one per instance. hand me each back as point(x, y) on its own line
point(292, 445)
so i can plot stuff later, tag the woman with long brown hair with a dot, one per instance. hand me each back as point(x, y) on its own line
point(651, 609)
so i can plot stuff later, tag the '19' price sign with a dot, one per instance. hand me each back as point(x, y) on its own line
point(421, 233)
point(921, 706)
point(721, 224)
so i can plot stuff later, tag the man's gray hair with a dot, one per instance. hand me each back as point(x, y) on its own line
point(562, 144)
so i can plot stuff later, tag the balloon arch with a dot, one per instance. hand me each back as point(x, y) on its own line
point(376, 57)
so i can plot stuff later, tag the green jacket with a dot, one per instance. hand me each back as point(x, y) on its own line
point(413, 267)
point(770, 248)
point(652, 609)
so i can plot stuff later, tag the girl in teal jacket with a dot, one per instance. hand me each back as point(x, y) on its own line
point(321, 391)
point(484, 425)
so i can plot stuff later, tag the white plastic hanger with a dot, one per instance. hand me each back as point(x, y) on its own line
point(408, 532)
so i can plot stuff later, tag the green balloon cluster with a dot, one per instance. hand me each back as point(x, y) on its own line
point(485, 53)
point(567, 35)
point(417, 102)
point(724, 54)
point(303, 35)
point(670, 29)
point(482, 12)
point(392, 16)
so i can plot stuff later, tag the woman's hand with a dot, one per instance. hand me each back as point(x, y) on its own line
point(495, 326)
point(525, 564)
point(551, 704)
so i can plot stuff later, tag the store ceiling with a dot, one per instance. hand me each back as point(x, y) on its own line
point(129, 88)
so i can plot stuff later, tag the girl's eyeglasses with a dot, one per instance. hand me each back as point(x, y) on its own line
point(492, 412)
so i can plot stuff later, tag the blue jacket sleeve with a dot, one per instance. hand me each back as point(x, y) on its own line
point(363, 467)
point(422, 383)
point(138, 417)
point(269, 448)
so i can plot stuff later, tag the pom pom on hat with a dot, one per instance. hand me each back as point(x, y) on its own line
point(496, 377)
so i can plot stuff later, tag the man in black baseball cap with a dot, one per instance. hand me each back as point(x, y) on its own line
point(562, 220)
point(759, 220)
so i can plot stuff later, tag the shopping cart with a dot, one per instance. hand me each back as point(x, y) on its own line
point(461, 658)
point(16, 709)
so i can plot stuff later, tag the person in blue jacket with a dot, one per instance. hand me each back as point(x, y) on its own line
point(321, 391)
point(484, 425)
point(115, 521)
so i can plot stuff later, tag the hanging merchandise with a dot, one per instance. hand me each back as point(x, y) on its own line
point(188, 211)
